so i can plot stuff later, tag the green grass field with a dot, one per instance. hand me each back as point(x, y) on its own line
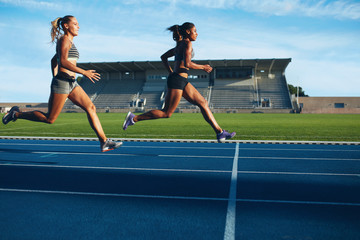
point(297, 127)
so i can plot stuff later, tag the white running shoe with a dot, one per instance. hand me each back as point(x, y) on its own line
point(109, 145)
point(10, 116)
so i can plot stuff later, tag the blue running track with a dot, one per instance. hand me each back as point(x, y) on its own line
point(55, 189)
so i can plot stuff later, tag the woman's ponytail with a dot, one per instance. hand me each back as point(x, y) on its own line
point(176, 33)
point(57, 26)
point(55, 29)
point(179, 32)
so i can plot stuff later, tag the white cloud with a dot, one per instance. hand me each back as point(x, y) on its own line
point(258, 42)
point(338, 9)
point(100, 47)
point(32, 4)
point(342, 9)
point(324, 78)
point(24, 84)
point(135, 31)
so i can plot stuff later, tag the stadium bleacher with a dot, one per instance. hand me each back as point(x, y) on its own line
point(275, 89)
point(233, 93)
point(202, 85)
point(152, 92)
point(233, 84)
point(92, 90)
point(118, 93)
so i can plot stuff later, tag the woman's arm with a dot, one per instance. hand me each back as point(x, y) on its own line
point(54, 66)
point(189, 64)
point(165, 57)
point(65, 63)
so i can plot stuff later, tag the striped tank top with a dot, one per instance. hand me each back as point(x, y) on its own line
point(72, 55)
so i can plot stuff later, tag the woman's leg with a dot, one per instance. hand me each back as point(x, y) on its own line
point(172, 100)
point(80, 98)
point(193, 96)
point(55, 105)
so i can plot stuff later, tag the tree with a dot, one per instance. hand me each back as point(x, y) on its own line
point(293, 90)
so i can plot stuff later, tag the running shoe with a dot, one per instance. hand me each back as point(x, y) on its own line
point(129, 120)
point(10, 116)
point(224, 135)
point(109, 145)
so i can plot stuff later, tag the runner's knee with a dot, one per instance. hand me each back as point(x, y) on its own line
point(91, 108)
point(167, 114)
point(45, 117)
point(202, 103)
point(50, 120)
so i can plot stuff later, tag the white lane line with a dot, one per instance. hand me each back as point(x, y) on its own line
point(47, 145)
point(183, 156)
point(183, 147)
point(301, 149)
point(187, 140)
point(191, 156)
point(114, 168)
point(302, 173)
point(177, 197)
point(48, 155)
point(270, 158)
point(123, 146)
point(195, 156)
point(127, 154)
point(229, 233)
point(87, 153)
point(299, 202)
point(111, 194)
point(307, 159)
point(175, 170)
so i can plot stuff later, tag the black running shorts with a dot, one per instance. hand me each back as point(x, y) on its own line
point(175, 81)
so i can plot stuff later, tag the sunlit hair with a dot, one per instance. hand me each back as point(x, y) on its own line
point(57, 27)
point(179, 32)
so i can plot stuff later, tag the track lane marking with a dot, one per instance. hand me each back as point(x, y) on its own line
point(307, 159)
point(170, 147)
point(113, 168)
point(177, 197)
point(191, 156)
point(186, 140)
point(302, 173)
point(229, 233)
point(123, 146)
point(176, 170)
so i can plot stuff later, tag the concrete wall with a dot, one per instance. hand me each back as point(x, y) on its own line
point(351, 105)
point(4, 107)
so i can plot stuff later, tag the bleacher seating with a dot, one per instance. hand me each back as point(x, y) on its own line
point(233, 93)
point(275, 89)
point(202, 85)
point(271, 92)
point(92, 89)
point(118, 93)
point(152, 91)
point(234, 85)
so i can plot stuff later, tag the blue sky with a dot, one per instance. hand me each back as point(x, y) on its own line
point(321, 37)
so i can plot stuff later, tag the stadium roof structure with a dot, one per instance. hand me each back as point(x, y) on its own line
point(141, 66)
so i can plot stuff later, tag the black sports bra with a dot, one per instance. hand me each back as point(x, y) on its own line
point(181, 56)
